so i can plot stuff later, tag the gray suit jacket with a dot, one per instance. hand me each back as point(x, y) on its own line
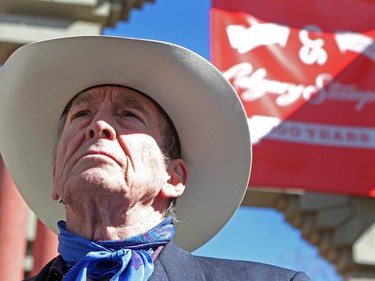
point(175, 264)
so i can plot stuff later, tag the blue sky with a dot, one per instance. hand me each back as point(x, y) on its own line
point(253, 233)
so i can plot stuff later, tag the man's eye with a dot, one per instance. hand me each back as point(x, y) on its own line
point(80, 114)
point(130, 114)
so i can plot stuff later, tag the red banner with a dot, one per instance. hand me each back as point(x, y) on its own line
point(305, 71)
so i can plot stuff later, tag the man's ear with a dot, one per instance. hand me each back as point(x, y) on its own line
point(178, 176)
point(55, 196)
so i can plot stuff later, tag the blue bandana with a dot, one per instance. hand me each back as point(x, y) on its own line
point(114, 260)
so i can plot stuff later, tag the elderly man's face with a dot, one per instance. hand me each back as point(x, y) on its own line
point(110, 147)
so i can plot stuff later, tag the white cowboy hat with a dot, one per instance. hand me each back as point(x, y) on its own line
point(39, 79)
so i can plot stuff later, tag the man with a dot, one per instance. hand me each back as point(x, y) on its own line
point(133, 125)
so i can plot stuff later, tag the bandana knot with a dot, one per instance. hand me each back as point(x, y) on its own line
point(118, 255)
point(115, 260)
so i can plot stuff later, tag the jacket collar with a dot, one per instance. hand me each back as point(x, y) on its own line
point(175, 264)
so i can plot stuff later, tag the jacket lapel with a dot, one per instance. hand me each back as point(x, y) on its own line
point(175, 264)
point(42, 275)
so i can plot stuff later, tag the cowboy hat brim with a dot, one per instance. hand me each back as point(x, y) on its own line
point(39, 79)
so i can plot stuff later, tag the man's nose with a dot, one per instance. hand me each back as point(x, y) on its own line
point(100, 129)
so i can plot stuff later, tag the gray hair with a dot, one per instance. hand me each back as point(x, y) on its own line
point(171, 144)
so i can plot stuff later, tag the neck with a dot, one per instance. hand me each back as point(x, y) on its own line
point(110, 222)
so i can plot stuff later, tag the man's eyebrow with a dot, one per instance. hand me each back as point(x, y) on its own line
point(123, 97)
point(84, 97)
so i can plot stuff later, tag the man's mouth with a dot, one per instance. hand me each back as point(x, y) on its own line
point(100, 154)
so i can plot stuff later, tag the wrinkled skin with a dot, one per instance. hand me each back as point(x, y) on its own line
point(109, 168)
